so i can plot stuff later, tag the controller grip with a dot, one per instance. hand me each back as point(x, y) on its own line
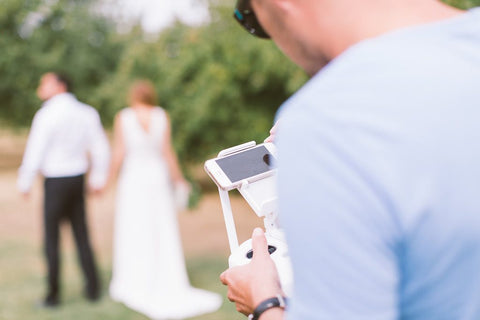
point(278, 251)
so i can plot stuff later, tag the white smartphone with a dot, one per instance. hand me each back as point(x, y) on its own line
point(251, 164)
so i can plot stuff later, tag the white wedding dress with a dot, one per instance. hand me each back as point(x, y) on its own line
point(149, 273)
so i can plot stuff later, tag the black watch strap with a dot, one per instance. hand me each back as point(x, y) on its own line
point(275, 302)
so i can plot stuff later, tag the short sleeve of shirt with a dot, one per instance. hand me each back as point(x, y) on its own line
point(342, 237)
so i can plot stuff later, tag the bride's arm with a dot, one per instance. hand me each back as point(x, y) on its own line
point(170, 156)
point(118, 150)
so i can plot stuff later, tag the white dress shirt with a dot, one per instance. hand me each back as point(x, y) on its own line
point(65, 135)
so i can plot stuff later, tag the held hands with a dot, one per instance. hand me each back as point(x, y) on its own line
point(25, 195)
point(95, 191)
point(250, 284)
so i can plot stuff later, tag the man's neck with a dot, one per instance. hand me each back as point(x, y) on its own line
point(57, 95)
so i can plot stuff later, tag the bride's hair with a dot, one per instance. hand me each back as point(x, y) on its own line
point(142, 91)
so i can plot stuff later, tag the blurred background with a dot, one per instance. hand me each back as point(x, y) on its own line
point(220, 86)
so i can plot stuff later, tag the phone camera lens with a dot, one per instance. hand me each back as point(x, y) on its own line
point(266, 159)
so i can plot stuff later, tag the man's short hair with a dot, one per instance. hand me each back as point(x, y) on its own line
point(65, 80)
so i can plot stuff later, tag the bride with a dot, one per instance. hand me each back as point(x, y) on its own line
point(149, 272)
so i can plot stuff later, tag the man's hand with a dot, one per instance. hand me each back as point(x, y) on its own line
point(250, 284)
point(25, 195)
point(95, 191)
point(273, 131)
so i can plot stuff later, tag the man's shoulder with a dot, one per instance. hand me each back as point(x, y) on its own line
point(385, 68)
point(86, 109)
point(47, 110)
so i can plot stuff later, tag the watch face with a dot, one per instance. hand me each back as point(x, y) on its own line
point(274, 302)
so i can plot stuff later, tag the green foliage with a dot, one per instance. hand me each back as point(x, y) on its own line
point(15, 62)
point(22, 286)
point(40, 36)
point(463, 4)
point(220, 86)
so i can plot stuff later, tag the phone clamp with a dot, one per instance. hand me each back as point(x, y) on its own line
point(262, 198)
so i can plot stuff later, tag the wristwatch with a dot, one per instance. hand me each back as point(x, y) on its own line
point(275, 302)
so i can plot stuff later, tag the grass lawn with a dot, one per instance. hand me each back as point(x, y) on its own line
point(22, 285)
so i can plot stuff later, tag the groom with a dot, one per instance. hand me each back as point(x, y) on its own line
point(65, 134)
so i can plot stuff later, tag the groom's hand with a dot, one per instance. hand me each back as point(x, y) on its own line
point(25, 195)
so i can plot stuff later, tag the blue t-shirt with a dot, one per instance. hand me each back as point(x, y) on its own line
point(379, 179)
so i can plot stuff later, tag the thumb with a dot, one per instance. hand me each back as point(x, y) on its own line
point(259, 244)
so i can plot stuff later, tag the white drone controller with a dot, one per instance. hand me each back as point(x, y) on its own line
point(261, 196)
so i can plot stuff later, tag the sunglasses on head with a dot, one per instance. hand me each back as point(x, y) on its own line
point(246, 17)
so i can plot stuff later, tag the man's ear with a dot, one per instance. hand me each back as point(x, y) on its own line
point(283, 5)
point(63, 87)
point(289, 8)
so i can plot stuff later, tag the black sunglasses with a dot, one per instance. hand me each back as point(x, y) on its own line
point(246, 17)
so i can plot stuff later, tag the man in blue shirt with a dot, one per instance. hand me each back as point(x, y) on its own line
point(378, 161)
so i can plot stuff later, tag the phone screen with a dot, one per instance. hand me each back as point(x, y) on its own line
point(246, 164)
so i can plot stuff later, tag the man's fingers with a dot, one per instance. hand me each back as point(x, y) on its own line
point(242, 308)
point(226, 278)
point(259, 243)
point(223, 277)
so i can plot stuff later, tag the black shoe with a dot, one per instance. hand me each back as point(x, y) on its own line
point(48, 303)
point(93, 296)
point(92, 291)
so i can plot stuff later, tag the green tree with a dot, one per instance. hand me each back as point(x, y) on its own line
point(39, 36)
point(463, 4)
point(220, 86)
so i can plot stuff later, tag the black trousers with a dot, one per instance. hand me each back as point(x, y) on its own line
point(65, 200)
